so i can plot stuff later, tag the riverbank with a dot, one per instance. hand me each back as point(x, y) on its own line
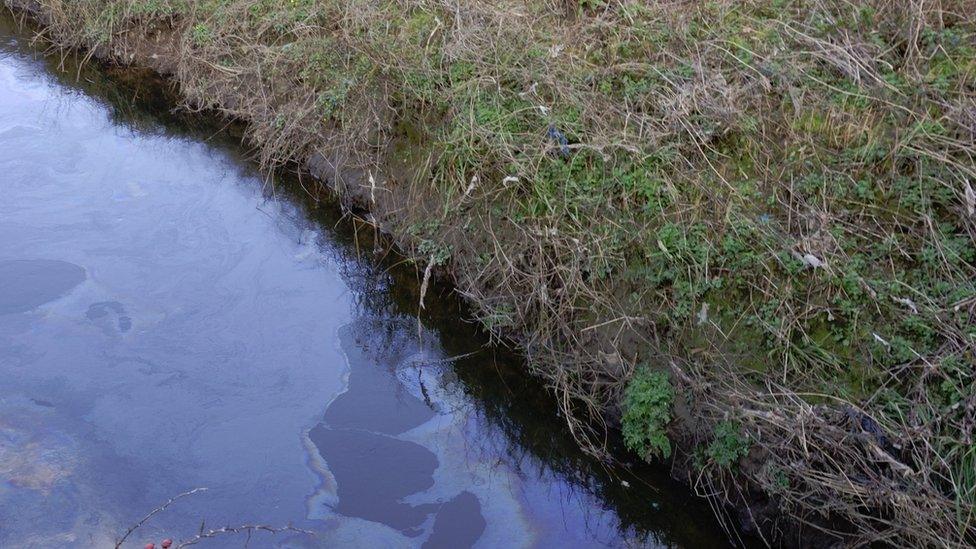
point(745, 230)
point(97, 162)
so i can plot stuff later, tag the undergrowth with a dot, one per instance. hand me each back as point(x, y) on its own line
point(647, 412)
point(771, 200)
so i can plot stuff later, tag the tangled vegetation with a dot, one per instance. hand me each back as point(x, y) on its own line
point(772, 201)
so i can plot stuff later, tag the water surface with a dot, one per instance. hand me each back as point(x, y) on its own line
point(170, 319)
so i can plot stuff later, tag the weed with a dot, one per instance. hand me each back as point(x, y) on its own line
point(728, 446)
point(647, 412)
point(201, 34)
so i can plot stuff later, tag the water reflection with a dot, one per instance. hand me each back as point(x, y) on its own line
point(168, 320)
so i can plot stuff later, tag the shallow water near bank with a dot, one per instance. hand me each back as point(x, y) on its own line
point(170, 319)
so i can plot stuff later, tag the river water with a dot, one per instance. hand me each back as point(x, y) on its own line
point(170, 319)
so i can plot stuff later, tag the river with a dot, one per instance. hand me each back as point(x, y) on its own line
point(172, 319)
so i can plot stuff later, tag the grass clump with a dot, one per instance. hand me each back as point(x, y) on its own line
point(647, 412)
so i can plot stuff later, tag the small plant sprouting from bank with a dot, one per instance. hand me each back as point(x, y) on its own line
point(647, 412)
point(728, 446)
point(202, 34)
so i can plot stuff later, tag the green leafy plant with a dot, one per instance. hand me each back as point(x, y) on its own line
point(647, 411)
point(728, 446)
point(202, 34)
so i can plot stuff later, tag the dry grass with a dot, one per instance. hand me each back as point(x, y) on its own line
point(775, 197)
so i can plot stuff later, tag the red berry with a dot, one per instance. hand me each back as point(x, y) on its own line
point(150, 546)
point(166, 543)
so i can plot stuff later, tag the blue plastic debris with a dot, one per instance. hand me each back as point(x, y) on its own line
point(560, 138)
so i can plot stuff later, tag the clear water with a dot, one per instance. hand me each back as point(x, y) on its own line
point(169, 320)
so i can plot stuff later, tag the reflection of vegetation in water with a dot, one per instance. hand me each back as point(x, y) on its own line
point(137, 99)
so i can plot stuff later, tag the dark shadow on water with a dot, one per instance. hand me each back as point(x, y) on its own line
point(26, 284)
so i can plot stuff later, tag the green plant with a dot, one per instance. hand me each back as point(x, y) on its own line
point(647, 411)
point(202, 34)
point(728, 446)
point(439, 254)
